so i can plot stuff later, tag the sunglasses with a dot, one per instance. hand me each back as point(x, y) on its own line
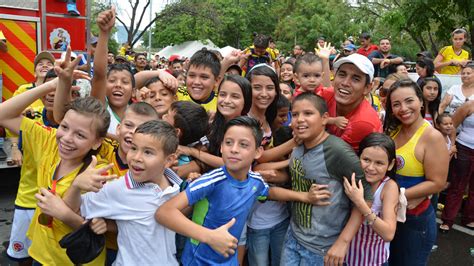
point(45, 219)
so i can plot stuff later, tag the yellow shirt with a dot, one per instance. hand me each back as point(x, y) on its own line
point(448, 54)
point(42, 145)
point(26, 87)
point(27, 188)
point(210, 104)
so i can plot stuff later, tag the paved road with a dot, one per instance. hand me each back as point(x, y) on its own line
point(453, 247)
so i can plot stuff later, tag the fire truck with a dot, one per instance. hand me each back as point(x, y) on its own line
point(32, 26)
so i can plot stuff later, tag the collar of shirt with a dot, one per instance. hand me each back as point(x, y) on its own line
point(168, 173)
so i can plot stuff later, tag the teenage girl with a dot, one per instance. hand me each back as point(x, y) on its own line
point(268, 222)
point(422, 168)
point(60, 155)
point(377, 158)
point(451, 58)
point(234, 98)
point(431, 87)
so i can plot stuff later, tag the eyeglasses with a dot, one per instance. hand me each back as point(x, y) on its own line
point(45, 219)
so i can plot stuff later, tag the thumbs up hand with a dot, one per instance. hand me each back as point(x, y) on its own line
point(222, 241)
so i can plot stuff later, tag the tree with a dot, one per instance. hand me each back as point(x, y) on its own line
point(97, 7)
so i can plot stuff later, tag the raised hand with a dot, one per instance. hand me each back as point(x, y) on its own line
point(65, 68)
point(222, 241)
point(325, 51)
point(106, 20)
point(168, 80)
point(93, 179)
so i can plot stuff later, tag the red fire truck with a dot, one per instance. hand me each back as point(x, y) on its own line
point(31, 26)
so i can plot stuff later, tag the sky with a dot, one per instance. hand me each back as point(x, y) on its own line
point(123, 6)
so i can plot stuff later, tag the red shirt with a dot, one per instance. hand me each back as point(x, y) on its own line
point(362, 121)
point(298, 91)
point(365, 52)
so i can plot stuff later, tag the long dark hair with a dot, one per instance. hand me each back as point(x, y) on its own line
point(428, 64)
point(391, 122)
point(271, 112)
point(382, 141)
point(216, 129)
point(433, 106)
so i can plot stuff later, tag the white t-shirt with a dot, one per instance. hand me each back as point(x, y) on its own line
point(114, 121)
point(458, 98)
point(141, 240)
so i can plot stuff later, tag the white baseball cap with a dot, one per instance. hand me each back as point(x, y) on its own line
point(360, 61)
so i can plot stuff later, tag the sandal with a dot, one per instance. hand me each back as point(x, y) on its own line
point(444, 228)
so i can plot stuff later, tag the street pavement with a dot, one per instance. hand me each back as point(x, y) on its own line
point(453, 247)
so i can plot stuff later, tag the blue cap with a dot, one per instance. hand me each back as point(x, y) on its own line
point(350, 47)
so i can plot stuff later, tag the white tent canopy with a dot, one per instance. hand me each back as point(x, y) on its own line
point(226, 50)
point(186, 49)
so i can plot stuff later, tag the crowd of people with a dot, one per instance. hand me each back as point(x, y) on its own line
point(322, 157)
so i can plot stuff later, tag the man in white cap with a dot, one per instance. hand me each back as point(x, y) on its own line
point(352, 81)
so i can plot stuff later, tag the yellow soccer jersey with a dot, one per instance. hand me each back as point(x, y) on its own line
point(210, 104)
point(109, 152)
point(27, 188)
point(41, 144)
point(448, 54)
point(26, 87)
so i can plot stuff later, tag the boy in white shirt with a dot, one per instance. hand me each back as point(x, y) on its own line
point(133, 199)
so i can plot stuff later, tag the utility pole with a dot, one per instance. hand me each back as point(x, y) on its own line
point(149, 30)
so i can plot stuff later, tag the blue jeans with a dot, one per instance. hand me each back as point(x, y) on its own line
point(261, 242)
point(295, 254)
point(414, 239)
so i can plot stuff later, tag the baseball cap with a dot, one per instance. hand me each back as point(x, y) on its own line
point(121, 57)
point(44, 55)
point(360, 61)
point(174, 57)
point(350, 47)
point(93, 39)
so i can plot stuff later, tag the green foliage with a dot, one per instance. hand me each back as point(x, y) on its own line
point(412, 25)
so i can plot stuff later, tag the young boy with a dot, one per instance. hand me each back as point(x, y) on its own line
point(202, 79)
point(224, 198)
point(133, 199)
point(43, 62)
point(320, 163)
point(113, 85)
point(308, 74)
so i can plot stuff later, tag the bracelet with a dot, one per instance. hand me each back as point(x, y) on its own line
point(371, 222)
point(365, 215)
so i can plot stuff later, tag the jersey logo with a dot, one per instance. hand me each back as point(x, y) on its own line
point(18, 246)
point(400, 162)
point(301, 211)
